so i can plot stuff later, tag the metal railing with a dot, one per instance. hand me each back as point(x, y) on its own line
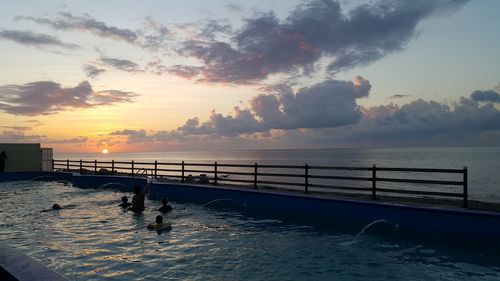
point(374, 180)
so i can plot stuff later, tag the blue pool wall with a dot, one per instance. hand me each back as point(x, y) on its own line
point(425, 222)
point(448, 224)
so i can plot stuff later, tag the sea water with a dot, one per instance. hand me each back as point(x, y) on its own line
point(482, 162)
point(92, 238)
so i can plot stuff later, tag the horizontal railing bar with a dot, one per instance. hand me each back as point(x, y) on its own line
point(446, 194)
point(281, 166)
point(198, 164)
point(236, 165)
point(199, 171)
point(280, 183)
point(169, 170)
point(280, 175)
point(143, 163)
point(169, 163)
point(421, 170)
point(421, 181)
point(236, 173)
point(341, 187)
point(340, 178)
point(340, 168)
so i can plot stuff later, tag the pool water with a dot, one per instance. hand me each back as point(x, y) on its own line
point(94, 239)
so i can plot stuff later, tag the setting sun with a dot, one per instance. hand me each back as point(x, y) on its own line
point(105, 151)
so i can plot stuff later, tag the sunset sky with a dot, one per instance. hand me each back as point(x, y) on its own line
point(81, 76)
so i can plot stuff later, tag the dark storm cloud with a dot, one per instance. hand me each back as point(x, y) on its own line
point(47, 97)
point(92, 71)
point(486, 96)
point(317, 29)
point(30, 38)
point(86, 23)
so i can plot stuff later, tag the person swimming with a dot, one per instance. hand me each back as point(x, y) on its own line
point(138, 199)
point(54, 207)
point(125, 204)
point(159, 225)
point(165, 208)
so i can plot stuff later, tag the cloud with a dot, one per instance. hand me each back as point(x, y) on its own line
point(153, 35)
point(399, 96)
point(85, 23)
point(326, 115)
point(79, 139)
point(331, 103)
point(17, 128)
point(92, 71)
point(30, 38)
point(486, 96)
point(47, 97)
point(315, 30)
point(121, 64)
point(17, 136)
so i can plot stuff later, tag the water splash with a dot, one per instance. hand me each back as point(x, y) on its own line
point(368, 226)
point(221, 200)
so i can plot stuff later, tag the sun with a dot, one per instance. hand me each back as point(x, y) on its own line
point(105, 151)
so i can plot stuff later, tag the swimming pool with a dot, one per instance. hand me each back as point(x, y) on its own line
point(96, 240)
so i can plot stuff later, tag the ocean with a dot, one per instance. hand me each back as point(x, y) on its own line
point(483, 163)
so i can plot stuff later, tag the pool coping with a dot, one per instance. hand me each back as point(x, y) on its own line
point(18, 266)
point(338, 199)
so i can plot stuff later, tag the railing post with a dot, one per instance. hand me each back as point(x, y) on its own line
point(255, 176)
point(156, 168)
point(67, 164)
point(52, 164)
point(215, 173)
point(466, 191)
point(95, 167)
point(113, 167)
point(182, 172)
point(81, 167)
point(132, 167)
point(374, 182)
point(306, 178)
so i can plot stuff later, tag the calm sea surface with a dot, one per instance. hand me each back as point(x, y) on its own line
point(483, 162)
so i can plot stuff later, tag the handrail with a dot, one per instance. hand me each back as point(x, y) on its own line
point(310, 178)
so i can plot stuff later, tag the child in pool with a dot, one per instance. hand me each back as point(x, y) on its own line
point(138, 199)
point(54, 207)
point(165, 208)
point(159, 225)
point(125, 204)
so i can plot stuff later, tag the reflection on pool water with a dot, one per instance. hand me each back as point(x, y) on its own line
point(97, 240)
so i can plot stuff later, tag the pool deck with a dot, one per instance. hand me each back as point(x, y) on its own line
point(16, 266)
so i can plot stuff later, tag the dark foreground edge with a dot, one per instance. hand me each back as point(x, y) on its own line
point(15, 266)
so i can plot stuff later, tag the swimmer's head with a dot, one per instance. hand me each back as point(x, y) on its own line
point(56, 207)
point(124, 199)
point(164, 201)
point(159, 219)
point(137, 189)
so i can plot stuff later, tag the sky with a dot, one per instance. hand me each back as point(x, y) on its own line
point(82, 76)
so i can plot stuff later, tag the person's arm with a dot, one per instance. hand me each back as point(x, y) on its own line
point(145, 189)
